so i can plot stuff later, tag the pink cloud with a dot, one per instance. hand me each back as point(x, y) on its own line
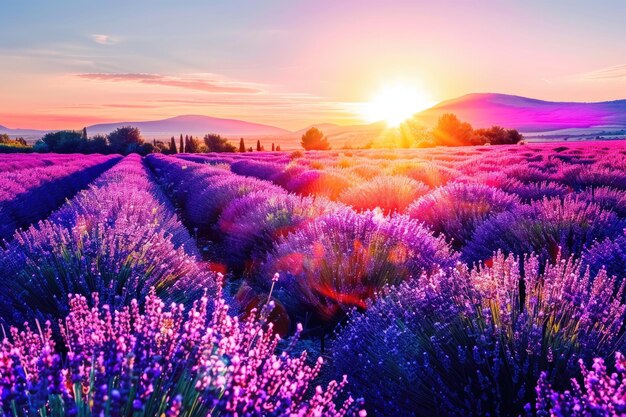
point(209, 86)
point(103, 39)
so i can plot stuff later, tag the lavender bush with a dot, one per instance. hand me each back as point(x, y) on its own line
point(392, 194)
point(601, 393)
point(252, 224)
point(160, 362)
point(608, 254)
point(204, 208)
point(342, 258)
point(455, 210)
point(474, 342)
point(546, 227)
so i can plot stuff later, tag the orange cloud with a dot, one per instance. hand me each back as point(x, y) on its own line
point(209, 86)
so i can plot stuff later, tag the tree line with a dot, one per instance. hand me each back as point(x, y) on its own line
point(449, 131)
point(8, 145)
point(124, 140)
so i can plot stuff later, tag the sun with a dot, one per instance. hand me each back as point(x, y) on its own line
point(396, 103)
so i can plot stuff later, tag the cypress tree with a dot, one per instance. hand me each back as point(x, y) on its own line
point(182, 145)
point(258, 145)
point(273, 148)
point(242, 146)
point(173, 145)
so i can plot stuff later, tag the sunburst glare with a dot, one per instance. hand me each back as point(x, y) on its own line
point(395, 103)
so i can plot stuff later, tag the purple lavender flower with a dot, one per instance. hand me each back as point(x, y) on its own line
point(547, 227)
point(117, 238)
point(600, 394)
point(392, 194)
point(341, 259)
point(161, 360)
point(474, 342)
point(456, 210)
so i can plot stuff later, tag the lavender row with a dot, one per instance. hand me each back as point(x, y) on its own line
point(329, 257)
point(119, 238)
point(18, 162)
point(27, 196)
point(546, 199)
point(120, 348)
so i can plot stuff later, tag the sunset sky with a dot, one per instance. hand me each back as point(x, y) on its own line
point(66, 64)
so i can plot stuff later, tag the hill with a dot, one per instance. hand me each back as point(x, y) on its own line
point(527, 114)
point(193, 125)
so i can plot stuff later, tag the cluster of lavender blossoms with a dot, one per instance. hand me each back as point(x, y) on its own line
point(161, 361)
point(475, 342)
point(601, 394)
point(457, 209)
point(392, 194)
point(343, 258)
point(545, 227)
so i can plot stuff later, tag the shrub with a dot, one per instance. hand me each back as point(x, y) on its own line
point(580, 177)
point(343, 258)
point(322, 183)
point(252, 224)
point(314, 139)
point(606, 197)
point(601, 394)
point(258, 169)
point(546, 227)
point(160, 362)
point(474, 342)
point(428, 173)
point(528, 192)
point(609, 254)
point(455, 210)
point(216, 143)
point(392, 194)
point(204, 207)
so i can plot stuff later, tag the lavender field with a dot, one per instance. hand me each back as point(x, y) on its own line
point(449, 281)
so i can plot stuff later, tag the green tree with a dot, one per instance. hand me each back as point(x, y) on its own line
point(497, 135)
point(314, 139)
point(173, 149)
point(97, 144)
point(216, 143)
point(193, 145)
point(125, 140)
point(450, 131)
point(63, 141)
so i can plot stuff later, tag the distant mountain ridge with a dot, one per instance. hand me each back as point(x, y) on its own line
point(528, 114)
point(194, 125)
